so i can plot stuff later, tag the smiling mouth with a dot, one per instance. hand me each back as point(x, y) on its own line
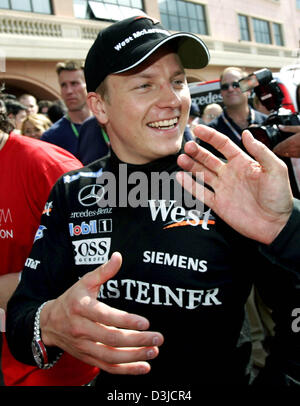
point(164, 124)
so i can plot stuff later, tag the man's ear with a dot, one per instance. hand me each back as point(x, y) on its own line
point(97, 106)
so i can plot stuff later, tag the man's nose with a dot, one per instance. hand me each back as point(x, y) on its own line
point(69, 88)
point(168, 96)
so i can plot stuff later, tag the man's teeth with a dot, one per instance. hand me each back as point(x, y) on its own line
point(164, 123)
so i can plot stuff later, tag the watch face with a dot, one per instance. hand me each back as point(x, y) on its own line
point(37, 353)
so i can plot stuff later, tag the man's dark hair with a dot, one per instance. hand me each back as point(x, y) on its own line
point(57, 110)
point(5, 123)
point(14, 106)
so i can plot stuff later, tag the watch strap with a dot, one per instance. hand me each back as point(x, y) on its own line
point(40, 353)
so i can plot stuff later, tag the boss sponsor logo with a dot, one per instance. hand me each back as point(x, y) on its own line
point(91, 251)
point(91, 227)
point(32, 263)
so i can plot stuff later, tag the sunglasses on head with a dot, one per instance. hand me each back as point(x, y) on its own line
point(225, 86)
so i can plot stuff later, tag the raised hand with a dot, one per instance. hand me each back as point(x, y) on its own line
point(95, 333)
point(252, 195)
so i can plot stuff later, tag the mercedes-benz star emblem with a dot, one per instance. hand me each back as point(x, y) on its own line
point(90, 194)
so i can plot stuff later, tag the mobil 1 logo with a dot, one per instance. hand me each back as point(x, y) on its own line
point(90, 227)
point(91, 251)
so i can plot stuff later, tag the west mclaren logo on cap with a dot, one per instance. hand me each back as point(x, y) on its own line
point(139, 34)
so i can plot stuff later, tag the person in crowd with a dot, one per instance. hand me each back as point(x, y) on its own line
point(17, 113)
point(31, 168)
point(34, 125)
point(110, 270)
point(7, 96)
point(44, 106)
point(211, 112)
point(237, 113)
point(57, 110)
point(30, 102)
point(65, 132)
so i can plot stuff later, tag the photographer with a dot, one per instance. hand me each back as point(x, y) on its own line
point(237, 113)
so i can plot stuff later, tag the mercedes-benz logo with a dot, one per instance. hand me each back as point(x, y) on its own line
point(90, 194)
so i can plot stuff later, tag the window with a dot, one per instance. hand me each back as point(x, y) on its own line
point(180, 15)
point(35, 6)
point(244, 28)
point(111, 10)
point(298, 4)
point(277, 34)
point(261, 30)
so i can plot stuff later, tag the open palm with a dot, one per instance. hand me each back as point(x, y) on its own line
point(252, 195)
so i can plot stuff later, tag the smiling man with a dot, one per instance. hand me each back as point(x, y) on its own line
point(105, 275)
point(153, 106)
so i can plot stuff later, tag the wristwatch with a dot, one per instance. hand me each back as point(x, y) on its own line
point(39, 351)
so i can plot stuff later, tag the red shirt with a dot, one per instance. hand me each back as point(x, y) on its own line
point(29, 169)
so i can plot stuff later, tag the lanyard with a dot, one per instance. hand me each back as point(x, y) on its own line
point(105, 136)
point(75, 131)
point(235, 132)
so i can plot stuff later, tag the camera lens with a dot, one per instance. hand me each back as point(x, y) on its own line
point(261, 134)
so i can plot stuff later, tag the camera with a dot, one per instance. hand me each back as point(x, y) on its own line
point(270, 95)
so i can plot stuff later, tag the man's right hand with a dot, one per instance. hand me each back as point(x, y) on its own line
point(97, 334)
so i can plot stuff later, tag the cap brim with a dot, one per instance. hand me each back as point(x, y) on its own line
point(191, 50)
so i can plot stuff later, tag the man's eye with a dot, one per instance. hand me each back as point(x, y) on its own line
point(144, 86)
point(179, 82)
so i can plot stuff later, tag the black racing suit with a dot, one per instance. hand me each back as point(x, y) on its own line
point(185, 270)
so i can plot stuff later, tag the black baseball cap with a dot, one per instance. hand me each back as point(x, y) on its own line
point(127, 43)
